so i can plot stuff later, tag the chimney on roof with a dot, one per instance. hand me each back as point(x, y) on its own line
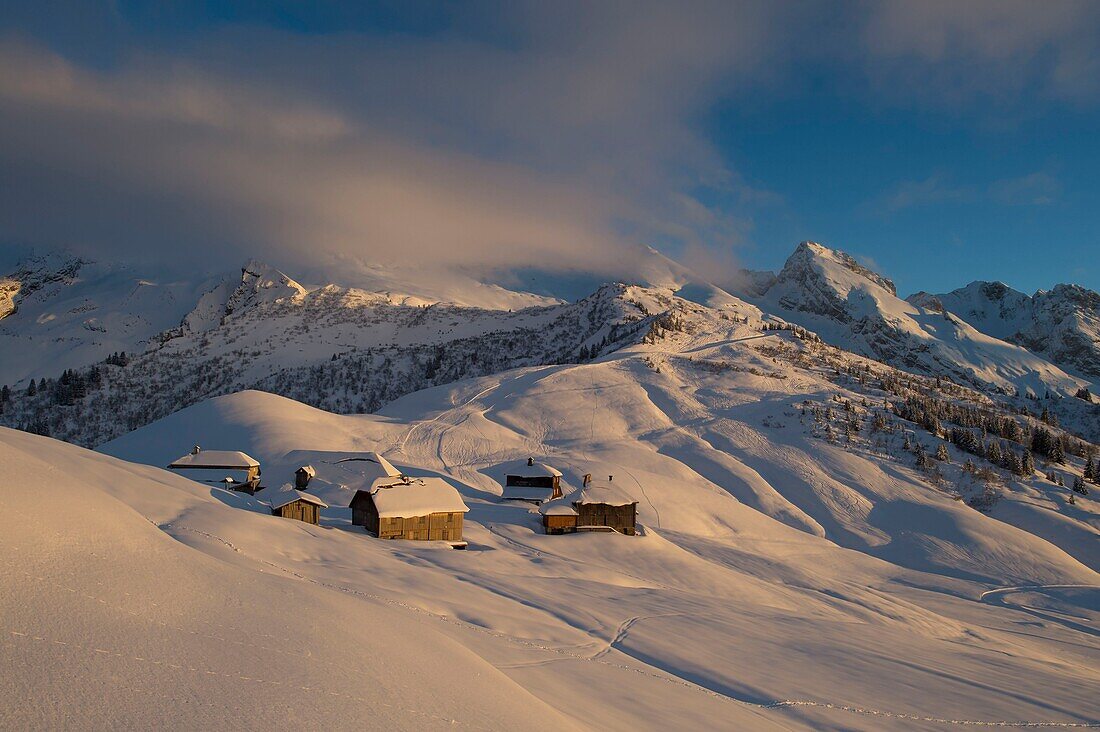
point(530, 461)
point(587, 480)
point(196, 450)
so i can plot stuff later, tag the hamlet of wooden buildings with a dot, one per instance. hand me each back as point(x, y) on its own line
point(228, 468)
point(597, 507)
point(535, 483)
point(418, 509)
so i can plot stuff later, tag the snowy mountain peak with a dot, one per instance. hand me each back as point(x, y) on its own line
point(34, 273)
point(262, 283)
point(811, 255)
point(1061, 324)
point(858, 310)
point(829, 283)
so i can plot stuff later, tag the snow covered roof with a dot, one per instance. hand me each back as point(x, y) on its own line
point(540, 470)
point(559, 507)
point(415, 497)
point(308, 470)
point(382, 466)
point(284, 497)
point(227, 459)
point(608, 493)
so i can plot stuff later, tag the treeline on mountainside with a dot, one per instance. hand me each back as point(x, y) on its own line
point(94, 405)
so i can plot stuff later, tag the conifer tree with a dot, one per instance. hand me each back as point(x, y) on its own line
point(32, 389)
point(1057, 453)
point(942, 454)
point(1027, 465)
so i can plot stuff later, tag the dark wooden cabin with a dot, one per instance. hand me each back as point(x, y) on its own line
point(604, 506)
point(295, 504)
point(535, 483)
point(303, 475)
point(229, 468)
point(415, 509)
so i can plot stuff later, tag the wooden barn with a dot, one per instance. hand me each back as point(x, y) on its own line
point(294, 504)
point(229, 468)
point(417, 509)
point(602, 506)
point(535, 483)
point(303, 475)
point(558, 517)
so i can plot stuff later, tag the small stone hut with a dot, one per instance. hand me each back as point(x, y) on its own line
point(294, 504)
point(535, 483)
point(417, 509)
point(230, 468)
point(602, 506)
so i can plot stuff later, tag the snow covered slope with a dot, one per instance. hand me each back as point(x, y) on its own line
point(794, 571)
point(1062, 324)
point(346, 350)
point(856, 309)
point(113, 621)
point(806, 583)
point(59, 312)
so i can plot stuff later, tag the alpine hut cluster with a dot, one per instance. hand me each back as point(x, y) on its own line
point(535, 483)
point(419, 509)
point(229, 468)
point(598, 507)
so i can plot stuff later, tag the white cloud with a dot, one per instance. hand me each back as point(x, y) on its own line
point(440, 149)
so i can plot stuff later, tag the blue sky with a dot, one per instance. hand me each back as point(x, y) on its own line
point(939, 142)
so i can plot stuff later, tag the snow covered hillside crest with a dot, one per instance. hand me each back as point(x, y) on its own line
point(1061, 324)
point(58, 311)
point(856, 309)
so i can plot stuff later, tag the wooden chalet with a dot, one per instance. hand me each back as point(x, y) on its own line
point(228, 468)
point(604, 506)
point(416, 509)
point(294, 504)
point(535, 483)
point(558, 517)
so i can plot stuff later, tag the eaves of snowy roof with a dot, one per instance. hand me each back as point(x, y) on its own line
point(225, 459)
point(540, 470)
point(384, 465)
point(415, 497)
point(283, 498)
point(606, 493)
point(559, 507)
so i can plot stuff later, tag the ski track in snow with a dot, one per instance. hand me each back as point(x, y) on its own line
point(1033, 588)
